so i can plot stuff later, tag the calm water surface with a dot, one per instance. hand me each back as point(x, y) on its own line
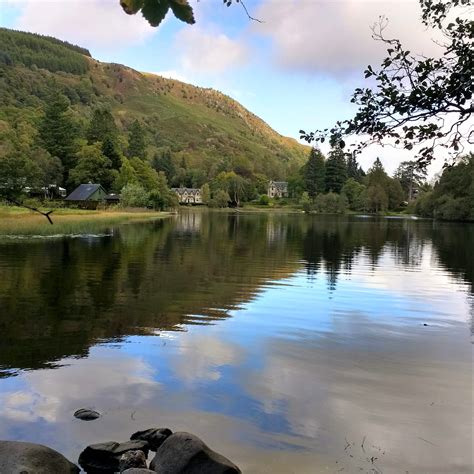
point(291, 344)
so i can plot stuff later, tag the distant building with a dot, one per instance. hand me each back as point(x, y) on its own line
point(52, 191)
point(87, 195)
point(277, 189)
point(188, 195)
point(112, 198)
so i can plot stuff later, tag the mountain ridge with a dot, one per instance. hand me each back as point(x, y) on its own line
point(203, 126)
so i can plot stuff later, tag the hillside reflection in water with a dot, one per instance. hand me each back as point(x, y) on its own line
point(285, 341)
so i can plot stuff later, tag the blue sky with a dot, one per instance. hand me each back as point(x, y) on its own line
point(296, 70)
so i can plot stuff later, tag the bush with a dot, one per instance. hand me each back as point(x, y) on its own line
point(424, 205)
point(221, 199)
point(134, 195)
point(452, 209)
point(264, 200)
point(305, 202)
point(330, 203)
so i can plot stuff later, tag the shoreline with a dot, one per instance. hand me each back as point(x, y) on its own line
point(20, 222)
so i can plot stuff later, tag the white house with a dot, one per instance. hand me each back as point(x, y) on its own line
point(188, 195)
point(277, 189)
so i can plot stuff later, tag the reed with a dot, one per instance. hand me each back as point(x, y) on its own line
point(15, 221)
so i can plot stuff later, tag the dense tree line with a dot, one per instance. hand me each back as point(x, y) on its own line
point(43, 52)
point(452, 197)
point(338, 182)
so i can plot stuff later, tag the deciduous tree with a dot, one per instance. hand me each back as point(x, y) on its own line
point(417, 101)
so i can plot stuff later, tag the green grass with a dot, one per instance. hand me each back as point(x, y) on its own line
point(21, 222)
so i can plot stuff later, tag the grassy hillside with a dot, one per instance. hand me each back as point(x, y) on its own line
point(205, 127)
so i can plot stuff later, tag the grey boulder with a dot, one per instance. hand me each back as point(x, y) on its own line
point(105, 457)
point(86, 414)
point(132, 459)
point(154, 436)
point(28, 458)
point(185, 453)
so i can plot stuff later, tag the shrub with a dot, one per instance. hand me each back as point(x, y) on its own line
point(331, 203)
point(221, 198)
point(305, 202)
point(264, 200)
point(134, 195)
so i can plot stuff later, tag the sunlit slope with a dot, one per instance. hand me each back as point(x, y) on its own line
point(202, 125)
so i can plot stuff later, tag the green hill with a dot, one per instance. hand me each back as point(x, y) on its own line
point(202, 127)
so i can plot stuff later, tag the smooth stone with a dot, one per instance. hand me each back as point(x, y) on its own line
point(132, 459)
point(17, 457)
point(86, 414)
point(105, 457)
point(154, 436)
point(185, 453)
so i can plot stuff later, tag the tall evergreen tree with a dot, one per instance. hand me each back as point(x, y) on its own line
point(101, 126)
point(314, 173)
point(353, 168)
point(57, 132)
point(164, 162)
point(136, 141)
point(111, 150)
point(336, 170)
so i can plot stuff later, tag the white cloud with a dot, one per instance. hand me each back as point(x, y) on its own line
point(333, 36)
point(202, 358)
point(52, 395)
point(174, 74)
point(92, 23)
point(209, 53)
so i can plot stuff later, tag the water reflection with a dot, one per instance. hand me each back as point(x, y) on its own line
point(290, 343)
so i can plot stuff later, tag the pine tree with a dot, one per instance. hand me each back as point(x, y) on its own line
point(57, 132)
point(164, 162)
point(353, 168)
point(314, 173)
point(111, 150)
point(136, 141)
point(336, 171)
point(101, 126)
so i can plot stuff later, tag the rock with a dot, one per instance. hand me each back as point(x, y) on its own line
point(86, 414)
point(154, 436)
point(135, 470)
point(105, 457)
point(132, 459)
point(185, 453)
point(28, 458)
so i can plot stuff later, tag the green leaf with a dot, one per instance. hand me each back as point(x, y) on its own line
point(182, 10)
point(155, 11)
point(131, 6)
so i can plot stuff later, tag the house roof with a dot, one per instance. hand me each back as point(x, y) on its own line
point(84, 191)
point(279, 184)
point(188, 190)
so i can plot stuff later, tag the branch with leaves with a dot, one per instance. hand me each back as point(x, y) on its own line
point(154, 11)
point(417, 101)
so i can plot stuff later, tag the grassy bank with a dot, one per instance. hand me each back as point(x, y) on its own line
point(22, 222)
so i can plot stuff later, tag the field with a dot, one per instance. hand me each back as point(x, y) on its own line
point(16, 221)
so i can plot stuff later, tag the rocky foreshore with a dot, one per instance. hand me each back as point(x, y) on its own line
point(174, 453)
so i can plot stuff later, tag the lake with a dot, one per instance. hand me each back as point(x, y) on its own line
point(289, 343)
